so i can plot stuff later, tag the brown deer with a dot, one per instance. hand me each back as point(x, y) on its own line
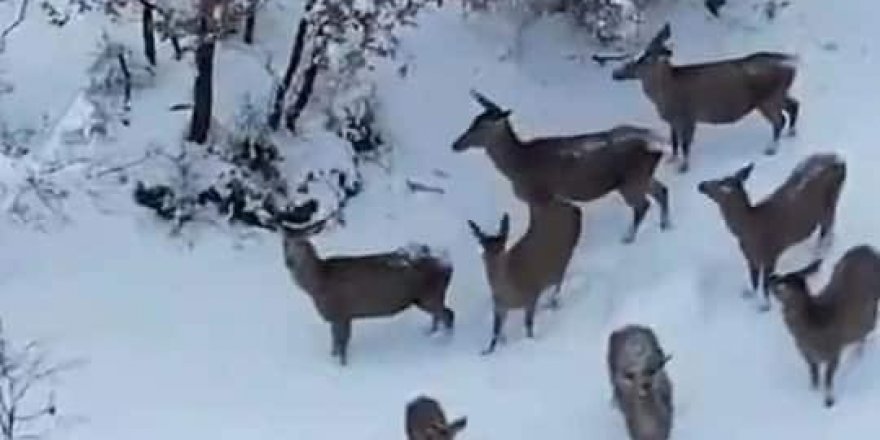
point(843, 313)
point(366, 286)
point(806, 200)
point(572, 168)
point(642, 389)
point(719, 92)
point(425, 420)
point(518, 276)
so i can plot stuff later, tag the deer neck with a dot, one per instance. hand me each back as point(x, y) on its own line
point(740, 218)
point(504, 150)
point(303, 262)
point(657, 85)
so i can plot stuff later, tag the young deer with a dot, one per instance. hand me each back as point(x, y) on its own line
point(642, 389)
point(572, 168)
point(805, 201)
point(365, 286)
point(425, 420)
point(518, 276)
point(720, 92)
point(843, 313)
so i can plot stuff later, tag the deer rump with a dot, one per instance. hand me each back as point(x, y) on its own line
point(380, 285)
point(588, 166)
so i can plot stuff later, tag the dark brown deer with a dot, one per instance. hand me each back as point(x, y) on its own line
point(719, 92)
point(843, 313)
point(642, 389)
point(425, 420)
point(572, 168)
point(806, 200)
point(538, 261)
point(366, 286)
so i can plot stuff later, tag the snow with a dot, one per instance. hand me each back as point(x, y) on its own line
point(213, 341)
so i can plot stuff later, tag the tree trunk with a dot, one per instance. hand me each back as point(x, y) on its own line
point(249, 22)
point(202, 90)
point(296, 52)
point(302, 99)
point(147, 26)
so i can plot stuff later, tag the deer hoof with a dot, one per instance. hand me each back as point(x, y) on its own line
point(770, 151)
point(829, 402)
point(764, 308)
point(665, 224)
point(683, 167)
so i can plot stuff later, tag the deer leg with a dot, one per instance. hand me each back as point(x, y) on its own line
point(660, 194)
point(753, 280)
point(530, 318)
point(826, 225)
point(687, 138)
point(772, 111)
point(639, 208)
point(553, 304)
point(341, 332)
point(673, 136)
point(792, 107)
point(766, 272)
point(814, 374)
point(830, 369)
point(497, 328)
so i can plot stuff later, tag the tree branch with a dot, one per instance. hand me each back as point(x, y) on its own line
point(22, 13)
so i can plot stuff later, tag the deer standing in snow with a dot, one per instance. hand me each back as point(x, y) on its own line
point(578, 168)
point(718, 92)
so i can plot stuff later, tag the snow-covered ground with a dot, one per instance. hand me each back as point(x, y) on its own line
point(215, 342)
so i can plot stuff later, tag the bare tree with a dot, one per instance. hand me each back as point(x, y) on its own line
point(27, 398)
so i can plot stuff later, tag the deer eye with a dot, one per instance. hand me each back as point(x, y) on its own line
point(629, 375)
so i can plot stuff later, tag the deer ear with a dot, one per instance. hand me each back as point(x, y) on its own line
point(475, 230)
point(505, 225)
point(743, 174)
point(458, 425)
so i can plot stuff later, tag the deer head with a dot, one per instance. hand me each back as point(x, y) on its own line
point(492, 244)
point(788, 287)
point(484, 126)
point(643, 380)
point(656, 53)
point(728, 189)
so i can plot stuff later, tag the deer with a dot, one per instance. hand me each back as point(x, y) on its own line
point(536, 262)
point(805, 201)
point(425, 420)
point(844, 312)
point(642, 389)
point(345, 288)
point(720, 92)
point(577, 168)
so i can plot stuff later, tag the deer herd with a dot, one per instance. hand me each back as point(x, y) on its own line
point(552, 174)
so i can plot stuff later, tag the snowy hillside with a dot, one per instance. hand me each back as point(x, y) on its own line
point(214, 341)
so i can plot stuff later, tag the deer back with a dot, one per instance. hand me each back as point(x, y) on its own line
point(721, 91)
point(588, 166)
point(380, 284)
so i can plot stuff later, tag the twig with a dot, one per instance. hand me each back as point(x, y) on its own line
point(421, 187)
point(22, 13)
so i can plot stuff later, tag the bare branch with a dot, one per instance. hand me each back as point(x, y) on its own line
point(22, 13)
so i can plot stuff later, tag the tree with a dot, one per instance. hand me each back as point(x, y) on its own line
point(27, 399)
point(342, 38)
